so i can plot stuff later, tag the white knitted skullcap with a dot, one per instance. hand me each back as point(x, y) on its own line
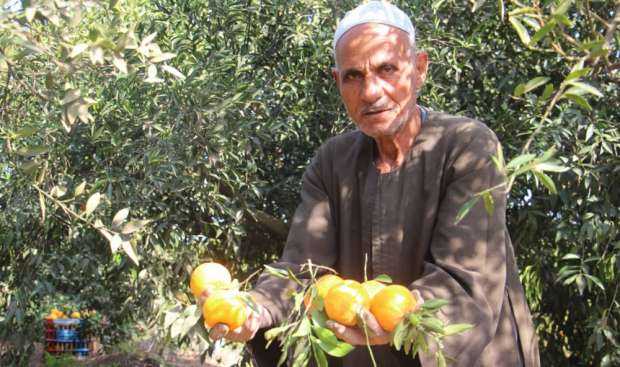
point(375, 11)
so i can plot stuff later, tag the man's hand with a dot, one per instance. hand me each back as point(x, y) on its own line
point(245, 332)
point(356, 335)
point(376, 334)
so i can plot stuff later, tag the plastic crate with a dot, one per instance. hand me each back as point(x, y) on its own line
point(64, 336)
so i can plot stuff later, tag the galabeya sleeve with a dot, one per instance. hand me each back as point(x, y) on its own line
point(311, 236)
point(467, 262)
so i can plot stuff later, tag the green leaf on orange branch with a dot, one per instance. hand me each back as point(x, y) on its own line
point(465, 209)
point(330, 343)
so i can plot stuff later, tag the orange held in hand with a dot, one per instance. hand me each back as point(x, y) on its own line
point(343, 301)
point(391, 304)
point(323, 285)
point(209, 276)
point(224, 308)
point(372, 287)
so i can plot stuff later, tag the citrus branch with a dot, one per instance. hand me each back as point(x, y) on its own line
point(69, 211)
point(530, 140)
point(372, 356)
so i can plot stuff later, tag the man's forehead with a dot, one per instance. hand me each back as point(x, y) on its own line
point(373, 39)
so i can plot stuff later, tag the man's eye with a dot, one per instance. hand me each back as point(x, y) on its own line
point(353, 76)
point(388, 68)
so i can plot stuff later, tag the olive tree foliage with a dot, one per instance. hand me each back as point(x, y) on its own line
point(140, 138)
point(544, 76)
point(172, 132)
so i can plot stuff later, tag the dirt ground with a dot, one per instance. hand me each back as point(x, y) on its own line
point(138, 359)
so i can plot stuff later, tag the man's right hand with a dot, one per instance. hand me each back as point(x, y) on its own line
point(254, 322)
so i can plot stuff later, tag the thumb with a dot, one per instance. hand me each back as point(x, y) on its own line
point(335, 327)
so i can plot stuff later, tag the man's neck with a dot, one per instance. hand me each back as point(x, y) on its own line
point(393, 150)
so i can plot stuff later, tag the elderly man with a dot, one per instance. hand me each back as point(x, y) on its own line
point(390, 192)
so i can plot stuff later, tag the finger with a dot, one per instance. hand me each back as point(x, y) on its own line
point(218, 331)
point(347, 334)
point(373, 326)
point(335, 327)
point(418, 297)
point(246, 331)
point(240, 334)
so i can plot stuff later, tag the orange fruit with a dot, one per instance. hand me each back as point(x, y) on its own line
point(372, 287)
point(75, 315)
point(209, 276)
point(344, 300)
point(323, 285)
point(391, 304)
point(224, 308)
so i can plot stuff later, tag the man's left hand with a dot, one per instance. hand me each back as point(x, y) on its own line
point(356, 335)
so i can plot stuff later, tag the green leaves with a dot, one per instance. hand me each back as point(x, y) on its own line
point(319, 355)
point(237, 132)
point(524, 35)
point(77, 50)
point(276, 331)
point(465, 208)
point(454, 329)
point(92, 203)
point(434, 304)
point(383, 278)
point(542, 32)
point(546, 181)
point(181, 320)
point(280, 273)
point(120, 217)
point(575, 90)
point(562, 7)
point(32, 151)
point(579, 88)
point(489, 203)
point(329, 343)
point(520, 161)
point(530, 85)
point(422, 326)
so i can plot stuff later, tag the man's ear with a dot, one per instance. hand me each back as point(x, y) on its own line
point(335, 77)
point(421, 66)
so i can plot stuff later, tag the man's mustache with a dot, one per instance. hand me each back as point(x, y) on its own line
point(376, 108)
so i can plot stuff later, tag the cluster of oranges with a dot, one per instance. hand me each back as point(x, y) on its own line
point(224, 304)
point(343, 300)
point(58, 314)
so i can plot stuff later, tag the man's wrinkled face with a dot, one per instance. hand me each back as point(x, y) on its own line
point(377, 74)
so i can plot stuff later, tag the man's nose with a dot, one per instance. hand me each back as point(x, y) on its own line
point(371, 89)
